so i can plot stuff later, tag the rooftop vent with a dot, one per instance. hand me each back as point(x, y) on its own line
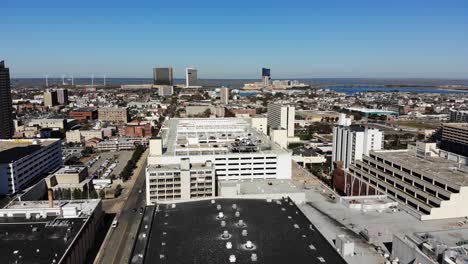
point(226, 235)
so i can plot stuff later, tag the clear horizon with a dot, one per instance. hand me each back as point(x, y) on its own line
point(234, 40)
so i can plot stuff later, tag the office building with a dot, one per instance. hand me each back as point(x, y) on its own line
point(6, 109)
point(50, 98)
point(162, 76)
point(114, 114)
point(236, 149)
point(266, 77)
point(24, 162)
point(281, 117)
point(191, 78)
point(350, 142)
point(70, 178)
point(84, 114)
point(431, 186)
point(231, 231)
point(453, 137)
point(62, 96)
point(224, 95)
point(182, 181)
point(457, 116)
point(62, 231)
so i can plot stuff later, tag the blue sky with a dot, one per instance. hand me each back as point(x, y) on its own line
point(234, 39)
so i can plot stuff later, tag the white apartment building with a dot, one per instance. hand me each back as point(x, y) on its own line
point(182, 181)
point(23, 162)
point(281, 116)
point(350, 142)
point(433, 187)
point(236, 150)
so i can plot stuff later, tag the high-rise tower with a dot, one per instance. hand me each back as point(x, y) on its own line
point(6, 116)
point(162, 76)
point(191, 77)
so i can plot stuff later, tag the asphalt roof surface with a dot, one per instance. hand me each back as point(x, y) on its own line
point(19, 242)
point(192, 233)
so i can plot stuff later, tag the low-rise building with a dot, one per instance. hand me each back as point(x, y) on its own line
point(80, 136)
point(136, 129)
point(70, 178)
point(56, 231)
point(84, 114)
point(114, 114)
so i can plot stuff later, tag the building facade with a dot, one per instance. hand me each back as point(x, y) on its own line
point(457, 116)
point(84, 114)
point(433, 187)
point(62, 96)
point(6, 109)
point(114, 114)
point(50, 98)
point(162, 76)
point(224, 95)
point(281, 116)
point(350, 142)
point(23, 162)
point(183, 181)
point(453, 137)
point(191, 78)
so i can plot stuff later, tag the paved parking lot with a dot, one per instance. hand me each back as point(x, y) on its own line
point(122, 157)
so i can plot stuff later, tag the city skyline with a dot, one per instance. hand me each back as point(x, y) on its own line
point(234, 40)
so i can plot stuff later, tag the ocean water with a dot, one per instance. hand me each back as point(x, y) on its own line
point(349, 89)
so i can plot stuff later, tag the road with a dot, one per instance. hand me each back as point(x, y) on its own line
point(120, 240)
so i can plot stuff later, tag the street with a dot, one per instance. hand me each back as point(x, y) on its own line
point(119, 242)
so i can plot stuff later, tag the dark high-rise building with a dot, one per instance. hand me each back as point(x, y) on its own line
point(162, 76)
point(6, 116)
point(266, 79)
point(62, 96)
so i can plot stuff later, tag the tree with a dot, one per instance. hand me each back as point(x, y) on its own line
point(102, 194)
point(76, 194)
point(66, 194)
point(93, 194)
point(118, 190)
point(58, 194)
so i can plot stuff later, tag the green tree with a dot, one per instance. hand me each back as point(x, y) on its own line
point(93, 194)
point(102, 194)
point(76, 194)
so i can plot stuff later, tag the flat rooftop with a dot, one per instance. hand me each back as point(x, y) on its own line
point(264, 186)
point(12, 150)
point(433, 166)
point(191, 232)
point(37, 242)
point(213, 136)
point(40, 239)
